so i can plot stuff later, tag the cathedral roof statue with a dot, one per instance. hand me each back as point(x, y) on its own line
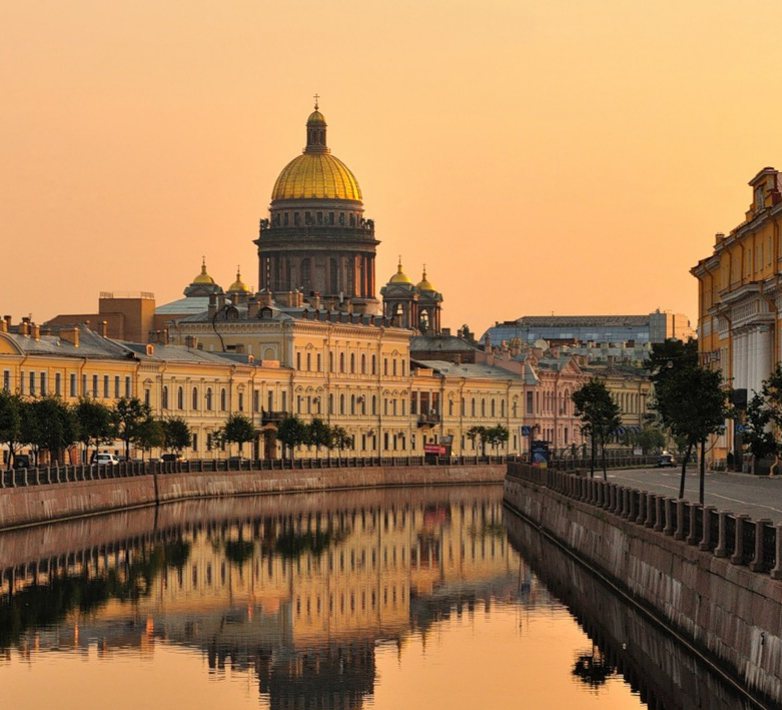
point(316, 174)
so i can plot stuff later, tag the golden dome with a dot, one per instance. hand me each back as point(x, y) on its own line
point(400, 277)
point(239, 285)
point(424, 284)
point(203, 277)
point(316, 174)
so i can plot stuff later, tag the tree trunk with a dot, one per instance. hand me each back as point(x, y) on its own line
point(593, 457)
point(702, 483)
point(685, 461)
point(605, 467)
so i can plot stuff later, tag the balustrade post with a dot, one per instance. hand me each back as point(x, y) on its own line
point(630, 508)
point(658, 512)
point(776, 573)
point(705, 543)
point(24, 477)
point(613, 497)
point(722, 542)
point(758, 563)
point(695, 534)
point(651, 509)
point(623, 502)
point(681, 510)
point(643, 504)
point(738, 550)
point(669, 507)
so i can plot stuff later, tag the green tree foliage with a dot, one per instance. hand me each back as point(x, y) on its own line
point(237, 429)
point(10, 422)
point(130, 414)
point(477, 434)
point(764, 419)
point(150, 434)
point(96, 423)
point(649, 439)
point(292, 432)
point(599, 416)
point(51, 426)
point(340, 439)
point(318, 434)
point(691, 400)
point(176, 434)
point(496, 436)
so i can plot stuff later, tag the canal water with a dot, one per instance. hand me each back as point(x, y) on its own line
point(387, 599)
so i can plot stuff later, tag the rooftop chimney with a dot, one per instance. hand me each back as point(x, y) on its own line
point(35, 331)
point(70, 335)
point(103, 328)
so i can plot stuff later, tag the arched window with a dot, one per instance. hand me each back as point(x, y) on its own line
point(502, 408)
point(180, 399)
point(298, 361)
point(331, 404)
point(309, 362)
point(331, 362)
point(164, 398)
point(483, 407)
point(223, 400)
point(492, 408)
point(394, 367)
point(363, 364)
point(195, 398)
point(342, 362)
point(472, 408)
point(342, 404)
point(374, 364)
point(352, 363)
point(374, 404)
point(209, 399)
point(352, 404)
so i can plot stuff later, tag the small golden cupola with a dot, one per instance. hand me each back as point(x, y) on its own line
point(400, 277)
point(203, 277)
point(203, 284)
point(239, 286)
point(424, 284)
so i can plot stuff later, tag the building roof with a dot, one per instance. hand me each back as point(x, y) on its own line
point(581, 321)
point(440, 343)
point(468, 370)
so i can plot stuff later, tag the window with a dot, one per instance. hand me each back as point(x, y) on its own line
point(116, 386)
point(32, 384)
point(128, 392)
point(7, 380)
point(309, 362)
point(241, 401)
point(342, 362)
point(529, 403)
point(385, 366)
point(223, 400)
point(363, 364)
point(374, 404)
point(472, 407)
point(195, 442)
point(72, 386)
point(84, 386)
point(95, 386)
point(342, 404)
point(492, 408)
point(414, 403)
point(43, 383)
point(331, 362)
point(164, 398)
point(502, 408)
point(256, 400)
point(331, 404)
point(352, 363)
point(394, 367)
point(58, 384)
point(180, 399)
point(194, 402)
point(146, 396)
point(298, 361)
point(374, 364)
point(208, 399)
point(106, 387)
point(318, 362)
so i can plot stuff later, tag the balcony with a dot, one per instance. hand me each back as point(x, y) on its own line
point(269, 417)
point(428, 420)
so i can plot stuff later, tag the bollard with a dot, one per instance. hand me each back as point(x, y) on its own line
point(705, 543)
point(758, 563)
point(776, 573)
point(738, 549)
point(722, 544)
point(695, 534)
point(658, 511)
point(681, 511)
point(669, 508)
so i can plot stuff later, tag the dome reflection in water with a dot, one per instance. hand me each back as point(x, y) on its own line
point(390, 599)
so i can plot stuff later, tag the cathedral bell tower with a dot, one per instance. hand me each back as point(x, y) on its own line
point(316, 238)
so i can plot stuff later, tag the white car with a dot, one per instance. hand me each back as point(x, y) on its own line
point(106, 460)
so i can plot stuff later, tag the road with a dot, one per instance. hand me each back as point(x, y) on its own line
point(756, 496)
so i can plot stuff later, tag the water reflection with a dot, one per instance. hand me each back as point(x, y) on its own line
point(310, 596)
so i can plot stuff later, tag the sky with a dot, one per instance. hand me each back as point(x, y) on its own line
point(561, 157)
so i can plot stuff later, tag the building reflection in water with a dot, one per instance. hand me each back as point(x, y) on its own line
point(300, 596)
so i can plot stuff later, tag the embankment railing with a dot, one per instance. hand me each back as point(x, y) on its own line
point(755, 544)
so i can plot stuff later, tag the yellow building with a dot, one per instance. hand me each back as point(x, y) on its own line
point(739, 301)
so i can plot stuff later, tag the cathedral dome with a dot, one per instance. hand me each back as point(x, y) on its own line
point(316, 174)
point(239, 286)
point(400, 277)
point(424, 284)
point(203, 277)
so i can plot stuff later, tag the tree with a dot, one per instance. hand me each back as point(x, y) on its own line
point(340, 439)
point(291, 432)
point(96, 423)
point(691, 400)
point(237, 429)
point(496, 436)
point(150, 434)
point(764, 419)
point(318, 434)
point(650, 438)
point(129, 414)
point(51, 426)
point(10, 422)
point(478, 433)
point(176, 434)
point(599, 415)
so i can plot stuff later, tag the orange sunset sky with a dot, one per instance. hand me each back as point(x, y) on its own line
point(565, 156)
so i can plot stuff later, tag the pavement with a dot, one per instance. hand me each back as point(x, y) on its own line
point(739, 493)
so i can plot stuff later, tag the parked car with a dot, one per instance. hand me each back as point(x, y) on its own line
point(21, 461)
point(666, 461)
point(171, 457)
point(105, 459)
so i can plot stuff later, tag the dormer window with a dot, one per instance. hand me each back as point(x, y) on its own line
point(760, 198)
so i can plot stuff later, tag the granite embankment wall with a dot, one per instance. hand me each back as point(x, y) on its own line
point(27, 505)
point(727, 612)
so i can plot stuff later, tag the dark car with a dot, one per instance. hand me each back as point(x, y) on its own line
point(171, 457)
point(666, 461)
point(21, 461)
